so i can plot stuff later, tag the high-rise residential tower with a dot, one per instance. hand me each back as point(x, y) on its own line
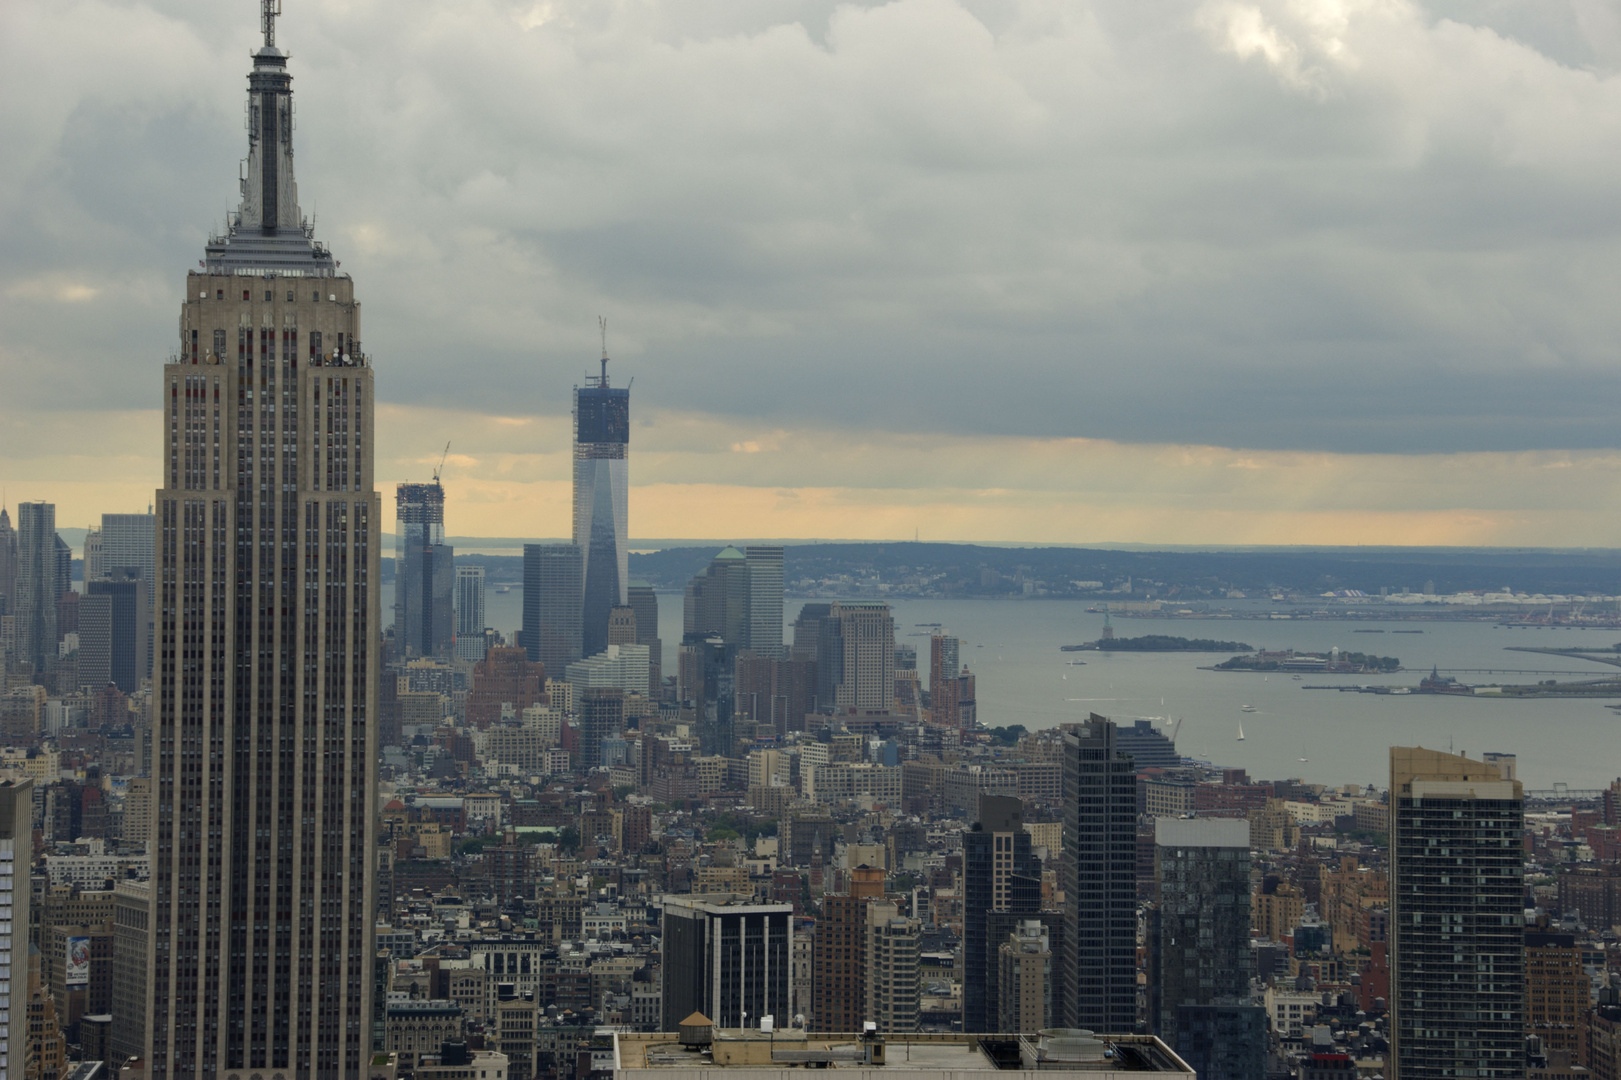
point(424, 569)
point(38, 587)
point(1199, 944)
point(944, 667)
point(1457, 918)
point(1099, 875)
point(265, 689)
point(601, 502)
point(1001, 887)
point(16, 851)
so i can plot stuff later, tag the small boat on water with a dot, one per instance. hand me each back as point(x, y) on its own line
point(1246, 708)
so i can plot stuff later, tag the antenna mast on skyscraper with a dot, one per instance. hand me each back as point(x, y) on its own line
point(602, 324)
point(268, 10)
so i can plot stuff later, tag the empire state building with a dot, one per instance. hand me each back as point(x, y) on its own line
point(268, 533)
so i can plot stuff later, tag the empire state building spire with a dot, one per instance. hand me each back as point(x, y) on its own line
point(267, 231)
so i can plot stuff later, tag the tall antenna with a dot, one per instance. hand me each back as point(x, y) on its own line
point(602, 324)
point(268, 10)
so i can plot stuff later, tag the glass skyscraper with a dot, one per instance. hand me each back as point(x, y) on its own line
point(601, 503)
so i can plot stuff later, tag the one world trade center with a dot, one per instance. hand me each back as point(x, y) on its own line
point(601, 506)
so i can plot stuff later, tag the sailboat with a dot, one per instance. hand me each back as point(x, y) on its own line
point(1240, 732)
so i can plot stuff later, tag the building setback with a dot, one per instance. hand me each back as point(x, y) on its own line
point(1457, 965)
point(265, 699)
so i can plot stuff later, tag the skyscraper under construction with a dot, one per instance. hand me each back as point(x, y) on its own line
point(601, 502)
point(267, 615)
point(424, 571)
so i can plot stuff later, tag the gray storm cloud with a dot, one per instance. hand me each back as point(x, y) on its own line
point(1349, 225)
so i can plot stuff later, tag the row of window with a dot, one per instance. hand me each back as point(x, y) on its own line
point(270, 295)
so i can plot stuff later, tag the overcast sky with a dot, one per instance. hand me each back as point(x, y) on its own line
point(1083, 270)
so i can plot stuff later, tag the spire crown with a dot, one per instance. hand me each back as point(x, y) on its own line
point(268, 232)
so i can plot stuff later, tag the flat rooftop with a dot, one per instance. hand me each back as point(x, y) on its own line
point(937, 1055)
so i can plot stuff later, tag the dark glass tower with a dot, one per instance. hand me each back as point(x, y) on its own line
point(728, 961)
point(601, 503)
point(1100, 879)
point(551, 605)
point(1001, 885)
point(1199, 948)
point(265, 676)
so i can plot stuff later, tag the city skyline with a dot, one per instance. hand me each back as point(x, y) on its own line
point(1231, 351)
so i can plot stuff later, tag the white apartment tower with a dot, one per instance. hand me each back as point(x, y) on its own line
point(268, 531)
point(16, 852)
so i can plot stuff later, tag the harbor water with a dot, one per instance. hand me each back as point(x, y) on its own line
point(1021, 677)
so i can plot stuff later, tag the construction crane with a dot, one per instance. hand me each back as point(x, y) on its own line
point(441, 467)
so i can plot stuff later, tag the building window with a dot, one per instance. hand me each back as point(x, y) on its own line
point(244, 294)
point(219, 294)
point(269, 295)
